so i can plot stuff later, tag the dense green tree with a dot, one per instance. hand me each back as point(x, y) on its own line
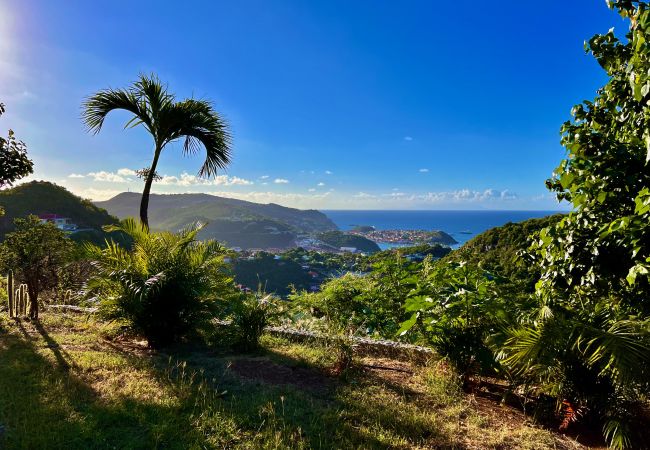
point(588, 344)
point(14, 163)
point(167, 120)
point(499, 250)
point(270, 275)
point(35, 251)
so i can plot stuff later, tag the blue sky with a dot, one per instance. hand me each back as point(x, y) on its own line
point(332, 104)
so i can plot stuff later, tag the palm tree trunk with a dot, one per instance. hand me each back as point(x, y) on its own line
point(144, 202)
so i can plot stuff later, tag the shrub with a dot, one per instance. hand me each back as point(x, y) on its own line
point(364, 304)
point(165, 288)
point(35, 251)
point(250, 314)
point(342, 346)
point(456, 308)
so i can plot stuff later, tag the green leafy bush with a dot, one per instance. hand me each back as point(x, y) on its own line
point(364, 304)
point(456, 308)
point(588, 342)
point(166, 287)
point(250, 314)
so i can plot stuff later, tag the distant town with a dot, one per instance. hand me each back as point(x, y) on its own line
point(404, 237)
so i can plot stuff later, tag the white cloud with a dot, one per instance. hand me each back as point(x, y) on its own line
point(76, 175)
point(507, 195)
point(98, 194)
point(126, 172)
point(408, 138)
point(287, 199)
point(321, 184)
point(401, 200)
point(328, 172)
point(423, 170)
point(108, 177)
point(467, 195)
point(281, 181)
point(186, 179)
point(312, 190)
point(264, 177)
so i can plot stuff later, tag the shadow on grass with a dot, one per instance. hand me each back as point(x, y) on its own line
point(46, 404)
point(47, 400)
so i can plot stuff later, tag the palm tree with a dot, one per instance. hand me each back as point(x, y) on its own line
point(166, 120)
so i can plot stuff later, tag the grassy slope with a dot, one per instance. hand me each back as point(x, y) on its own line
point(63, 386)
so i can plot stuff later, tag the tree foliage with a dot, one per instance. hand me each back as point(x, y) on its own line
point(167, 120)
point(588, 342)
point(14, 163)
point(500, 250)
point(457, 307)
point(166, 287)
point(36, 251)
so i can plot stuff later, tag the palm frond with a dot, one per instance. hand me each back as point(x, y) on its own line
point(200, 125)
point(154, 94)
point(622, 349)
point(96, 107)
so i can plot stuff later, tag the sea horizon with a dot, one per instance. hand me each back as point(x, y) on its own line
point(462, 225)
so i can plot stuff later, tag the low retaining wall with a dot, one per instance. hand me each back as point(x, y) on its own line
point(366, 346)
point(362, 345)
point(72, 308)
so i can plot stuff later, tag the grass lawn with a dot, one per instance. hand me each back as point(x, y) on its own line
point(63, 385)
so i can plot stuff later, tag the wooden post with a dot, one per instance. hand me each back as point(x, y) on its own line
point(10, 292)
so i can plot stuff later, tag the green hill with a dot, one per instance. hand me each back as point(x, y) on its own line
point(440, 237)
point(42, 197)
point(339, 239)
point(497, 249)
point(236, 222)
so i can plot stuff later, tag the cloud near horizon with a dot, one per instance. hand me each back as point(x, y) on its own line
point(95, 185)
point(184, 179)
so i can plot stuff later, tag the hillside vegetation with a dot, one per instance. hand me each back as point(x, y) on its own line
point(235, 222)
point(42, 197)
point(339, 239)
point(500, 249)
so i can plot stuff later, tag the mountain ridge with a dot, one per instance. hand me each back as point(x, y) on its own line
point(239, 223)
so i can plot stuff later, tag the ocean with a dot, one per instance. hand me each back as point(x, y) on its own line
point(462, 225)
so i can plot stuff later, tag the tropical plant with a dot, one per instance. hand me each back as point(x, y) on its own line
point(166, 287)
point(35, 251)
point(249, 315)
point(167, 120)
point(363, 305)
point(588, 342)
point(457, 307)
point(14, 163)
